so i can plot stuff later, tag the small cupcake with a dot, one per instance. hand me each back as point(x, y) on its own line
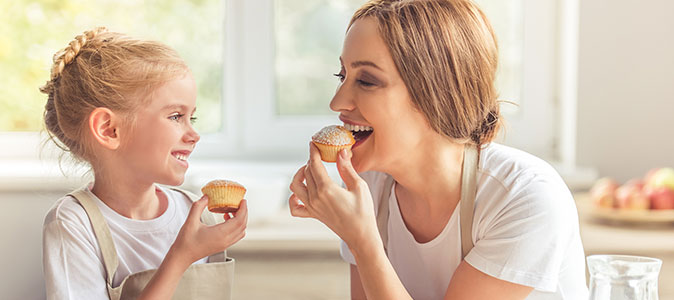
point(332, 139)
point(224, 196)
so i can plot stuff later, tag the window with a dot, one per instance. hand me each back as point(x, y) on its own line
point(291, 48)
point(34, 30)
point(264, 67)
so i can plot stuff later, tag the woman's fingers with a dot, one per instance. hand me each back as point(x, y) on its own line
point(346, 171)
point(297, 185)
point(317, 168)
point(311, 185)
point(297, 209)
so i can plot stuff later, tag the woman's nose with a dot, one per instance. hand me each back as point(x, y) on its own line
point(343, 99)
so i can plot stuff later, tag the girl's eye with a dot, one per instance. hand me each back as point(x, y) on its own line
point(193, 120)
point(339, 76)
point(175, 117)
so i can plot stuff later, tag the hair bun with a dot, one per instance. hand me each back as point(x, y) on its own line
point(66, 55)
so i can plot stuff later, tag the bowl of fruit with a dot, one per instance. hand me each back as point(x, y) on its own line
point(639, 200)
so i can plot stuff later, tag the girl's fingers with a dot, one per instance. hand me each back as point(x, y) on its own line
point(241, 215)
point(196, 209)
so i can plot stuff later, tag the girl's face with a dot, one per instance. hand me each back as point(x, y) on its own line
point(372, 95)
point(162, 137)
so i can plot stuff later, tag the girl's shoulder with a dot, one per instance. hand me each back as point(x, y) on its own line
point(67, 210)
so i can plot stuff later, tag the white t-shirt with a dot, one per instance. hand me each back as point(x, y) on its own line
point(72, 259)
point(525, 231)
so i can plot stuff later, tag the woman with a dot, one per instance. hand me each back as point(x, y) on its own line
point(432, 209)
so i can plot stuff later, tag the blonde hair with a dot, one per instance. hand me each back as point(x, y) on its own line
point(446, 53)
point(102, 69)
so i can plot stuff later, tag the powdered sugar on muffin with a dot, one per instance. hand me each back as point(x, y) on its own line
point(332, 139)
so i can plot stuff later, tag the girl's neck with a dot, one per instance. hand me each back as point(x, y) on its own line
point(129, 197)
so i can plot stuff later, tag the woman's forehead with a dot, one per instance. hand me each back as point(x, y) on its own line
point(363, 42)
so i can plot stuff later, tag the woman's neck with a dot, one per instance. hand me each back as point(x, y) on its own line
point(431, 175)
point(128, 196)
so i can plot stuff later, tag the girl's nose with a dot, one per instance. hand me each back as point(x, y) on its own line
point(192, 136)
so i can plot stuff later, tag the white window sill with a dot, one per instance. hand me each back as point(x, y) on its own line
point(266, 181)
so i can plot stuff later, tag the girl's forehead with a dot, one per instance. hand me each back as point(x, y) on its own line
point(177, 93)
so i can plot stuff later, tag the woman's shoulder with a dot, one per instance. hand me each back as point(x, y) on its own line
point(513, 168)
point(511, 179)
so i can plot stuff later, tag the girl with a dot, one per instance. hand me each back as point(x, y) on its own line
point(126, 106)
point(432, 209)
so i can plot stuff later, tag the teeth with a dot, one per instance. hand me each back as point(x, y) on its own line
point(181, 157)
point(357, 127)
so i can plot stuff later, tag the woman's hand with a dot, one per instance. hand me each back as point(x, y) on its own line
point(197, 240)
point(349, 212)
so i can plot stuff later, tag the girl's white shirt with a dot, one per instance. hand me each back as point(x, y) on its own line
point(72, 259)
point(525, 231)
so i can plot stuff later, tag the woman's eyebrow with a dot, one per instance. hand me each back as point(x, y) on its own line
point(359, 63)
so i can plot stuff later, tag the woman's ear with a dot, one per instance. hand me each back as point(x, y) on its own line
point(103, 124)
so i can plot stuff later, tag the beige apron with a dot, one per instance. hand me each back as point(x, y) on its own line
point(468, 192)
point(211, 280)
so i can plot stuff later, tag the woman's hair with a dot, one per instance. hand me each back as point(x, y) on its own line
point(446, 53)
point(102, 69)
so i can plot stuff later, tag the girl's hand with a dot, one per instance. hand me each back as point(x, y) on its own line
point(349, 212)
point(197, 240)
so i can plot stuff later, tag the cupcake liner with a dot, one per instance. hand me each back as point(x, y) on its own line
point(223, 196)
point(329, 152)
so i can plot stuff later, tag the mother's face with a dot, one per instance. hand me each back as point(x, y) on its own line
point(372, 95)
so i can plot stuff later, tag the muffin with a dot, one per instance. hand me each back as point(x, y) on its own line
point(332, 139)
point(224, 196)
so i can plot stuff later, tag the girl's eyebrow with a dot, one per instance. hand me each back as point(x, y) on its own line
point(177, 106)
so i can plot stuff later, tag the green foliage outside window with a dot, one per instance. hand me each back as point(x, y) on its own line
point(33, 30)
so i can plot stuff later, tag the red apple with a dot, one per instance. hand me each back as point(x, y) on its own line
point(603, 192)
point(631, 196)
point(663, 177)
point(661, 197)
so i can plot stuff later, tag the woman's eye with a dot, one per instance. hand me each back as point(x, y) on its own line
point(365, 83)
point(339, 76)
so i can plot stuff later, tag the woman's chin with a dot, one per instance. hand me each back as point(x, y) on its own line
point(359, 164)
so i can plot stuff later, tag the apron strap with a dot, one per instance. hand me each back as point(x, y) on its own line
point(468, 193)
point(467, 202)
point(101, 230)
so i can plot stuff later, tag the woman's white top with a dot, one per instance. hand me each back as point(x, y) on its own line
point(72, 259)
point(525, 231)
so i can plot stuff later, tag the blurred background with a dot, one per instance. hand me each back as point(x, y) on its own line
point(592, 86)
